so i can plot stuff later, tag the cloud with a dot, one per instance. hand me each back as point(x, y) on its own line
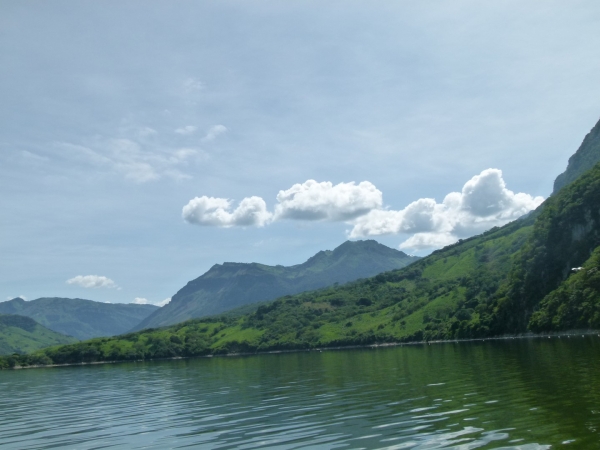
point(145, 301)
point(136, 162)
point(211, 211)
point(92, 281)
point(324, 201)
point(188, 129)
point(214, 132)
point(192, 84)
point(17, 296)
point(483, 203)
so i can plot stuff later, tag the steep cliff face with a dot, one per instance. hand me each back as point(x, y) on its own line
point(231, 285)
point(583, 160)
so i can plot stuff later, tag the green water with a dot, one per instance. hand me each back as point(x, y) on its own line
point(521, 394)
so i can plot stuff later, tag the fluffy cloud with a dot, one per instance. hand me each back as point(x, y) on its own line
point(92, 281)
point(324, 201)
point(211, 211)
point(145, 301)
point(484, 202)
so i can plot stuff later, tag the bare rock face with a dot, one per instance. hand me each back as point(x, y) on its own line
point(582, 160)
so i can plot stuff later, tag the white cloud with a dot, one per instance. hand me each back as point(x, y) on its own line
point(211, 211)
point(214, 132)
point(188, 129)
point(92, 281)
point(145, 301)
point(324, 201)
point(484, 202)
point(164, 302)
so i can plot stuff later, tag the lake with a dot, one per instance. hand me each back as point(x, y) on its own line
point(512, 394)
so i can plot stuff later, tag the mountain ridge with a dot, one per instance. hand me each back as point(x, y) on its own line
point(20, 334)
point(586, 156)
point(230, 285)
point(80, 318)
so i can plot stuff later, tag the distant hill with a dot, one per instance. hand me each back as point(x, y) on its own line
point(231, 285)
point(20, 334)
point(582, 160)
point(82, 319)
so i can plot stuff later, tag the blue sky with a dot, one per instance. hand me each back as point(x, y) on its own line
point(419, 122)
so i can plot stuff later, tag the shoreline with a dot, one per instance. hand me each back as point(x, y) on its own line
point(558, 335)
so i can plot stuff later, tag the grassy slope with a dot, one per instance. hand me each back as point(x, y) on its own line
point(19, 334)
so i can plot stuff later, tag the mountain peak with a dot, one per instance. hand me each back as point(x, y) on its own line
point(586, 157)
point(232, 285)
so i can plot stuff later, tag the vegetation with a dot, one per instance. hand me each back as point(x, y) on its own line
point(19, 334)
point(80, 318)
point(233, 285)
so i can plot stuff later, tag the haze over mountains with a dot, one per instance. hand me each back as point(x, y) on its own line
point(82, 319)
point(231, 285)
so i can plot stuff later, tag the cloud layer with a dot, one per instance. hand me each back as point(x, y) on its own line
point(484, 202)
point(92, 281)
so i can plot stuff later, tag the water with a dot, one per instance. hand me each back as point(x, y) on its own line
point(517, 394)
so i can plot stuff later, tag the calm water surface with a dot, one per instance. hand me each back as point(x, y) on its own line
point(516, 394)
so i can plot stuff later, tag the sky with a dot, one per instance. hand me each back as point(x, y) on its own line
point(143, 142)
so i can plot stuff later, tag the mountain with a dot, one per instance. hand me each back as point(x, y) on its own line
point(540, 273)
point(231, 285)
point(583, 160)
point(19, 334)
point(82, 319)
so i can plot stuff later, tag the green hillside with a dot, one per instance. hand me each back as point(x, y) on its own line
point(83, 319)
point(19, 334)
point(233, 285)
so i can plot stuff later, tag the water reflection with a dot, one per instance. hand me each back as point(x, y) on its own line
point(518, 394)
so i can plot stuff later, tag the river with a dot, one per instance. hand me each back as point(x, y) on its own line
point(510, 394)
